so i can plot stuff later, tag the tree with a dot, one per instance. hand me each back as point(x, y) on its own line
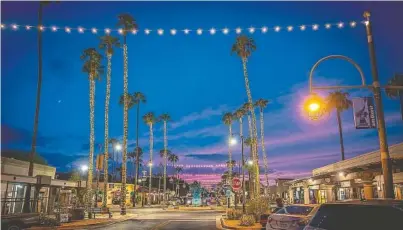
point(173, 158)
point(227, 120)
point(138, 98)
point(149, 119)
point(249, 167)
point(244, 46)
point(261, 104)
point(165, 118)
point(107, 43)
point(178, 170)
point(126, 23)
point(239, 114)
point(93, 67)
point(338, 101)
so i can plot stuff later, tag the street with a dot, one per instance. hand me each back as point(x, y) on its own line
point(153, 219)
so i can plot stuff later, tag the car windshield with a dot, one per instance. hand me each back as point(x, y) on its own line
point(297, 210)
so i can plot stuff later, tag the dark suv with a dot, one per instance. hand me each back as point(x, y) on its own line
point(356, 215)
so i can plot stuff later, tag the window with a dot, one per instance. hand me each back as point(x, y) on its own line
point(298, 210)
point(352, 217)
point(281, 211)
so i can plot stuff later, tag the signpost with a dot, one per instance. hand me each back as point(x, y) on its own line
point(236, 183)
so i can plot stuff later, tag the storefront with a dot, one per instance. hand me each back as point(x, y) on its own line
point(298, 195)
point(317, 195)
point(348, 190)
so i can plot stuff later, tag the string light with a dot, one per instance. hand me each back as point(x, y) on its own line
point(186, 31)
point(251, 30)
point(173, 31)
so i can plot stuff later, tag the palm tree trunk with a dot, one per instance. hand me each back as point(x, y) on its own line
point(27, 206)
point(340, 134)
point(229, 154)
point(92, 140)
point(165, 161)
point(266, 166)
point(252, 111)
point(125, 126)
point(151, 160)
point(106, 140)
point(137, 152)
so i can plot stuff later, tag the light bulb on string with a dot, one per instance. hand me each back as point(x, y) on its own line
point(290, 28)
point(41, 28)
point(120, 31)
point(94, 30)
point(27, 27)
point(340, 25)
point(366, 22)
point(251, 30)
point(54, 28)
point(353, 24)
point(147, 31)
point(327, 26)
point(225, 30)
point(264, 29)
point(212, 31)
point(199, 31)
point(173, 31)
point(134, 31)
point(277, 28)
point(303, 27)
point(238, 30)
point(68, 30)
point(14, 27)
point(315, 27)
point(80, 30)
point(186, 31)
point(3, 26)
point(107, 31)
point(160, 31)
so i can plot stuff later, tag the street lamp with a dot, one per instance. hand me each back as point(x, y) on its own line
point(118, 147)
point(376, 89)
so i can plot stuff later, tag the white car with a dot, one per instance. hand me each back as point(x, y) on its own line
point(292, 217)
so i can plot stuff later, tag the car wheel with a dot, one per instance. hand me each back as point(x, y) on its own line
point(14, 226)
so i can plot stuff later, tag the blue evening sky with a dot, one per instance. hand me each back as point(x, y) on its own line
point(195, 79)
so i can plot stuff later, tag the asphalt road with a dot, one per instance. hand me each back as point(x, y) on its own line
point(158, 219)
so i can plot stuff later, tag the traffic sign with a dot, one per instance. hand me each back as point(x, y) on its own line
point(236, 183)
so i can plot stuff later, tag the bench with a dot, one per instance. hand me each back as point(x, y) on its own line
point(101, 211)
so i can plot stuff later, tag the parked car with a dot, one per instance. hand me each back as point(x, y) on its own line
point(292, 217)
point(356, 215)
point(20, 221)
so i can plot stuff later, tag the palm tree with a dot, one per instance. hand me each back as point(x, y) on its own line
point(173, 158)
point(165, 118)
point(250, 168)
point(126, 23)
point(262, 103)
point(149, 119)
point(138, 98)
point(139, 154)
point(93, 67)
point(239, 114)
point(227, 120)
point(340, 102)
point(178, 170)
point(243, 47)
point(107, 43)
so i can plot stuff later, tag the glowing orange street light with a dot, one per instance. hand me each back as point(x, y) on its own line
point(314, 106)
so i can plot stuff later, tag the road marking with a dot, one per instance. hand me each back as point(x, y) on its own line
point(161, 225)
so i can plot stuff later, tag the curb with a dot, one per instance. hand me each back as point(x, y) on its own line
point(243, 228)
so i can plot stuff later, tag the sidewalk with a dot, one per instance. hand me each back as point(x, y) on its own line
point(100, 220)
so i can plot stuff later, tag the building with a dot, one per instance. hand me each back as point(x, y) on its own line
point(359, 177)
point(280, 189)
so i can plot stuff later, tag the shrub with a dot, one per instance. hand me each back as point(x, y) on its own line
point(258, 206)
point(247, 220)
point(234, 214)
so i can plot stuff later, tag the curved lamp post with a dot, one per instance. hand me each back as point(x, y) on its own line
point(315, 105)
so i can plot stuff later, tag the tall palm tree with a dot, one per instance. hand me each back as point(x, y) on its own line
point(149, 119)
point(107, 43)
point(338, 101)
point(126, 23)
point(139, 154)
point(178, 170)
point(227, 120)
point(27, 206)
point(173, 158)
point(397, 80)
point(253, 141)
point(93, 67)
point(165, 118)
point(261, 104)
point(250, 168)
point(239, 114)
point(138, 98)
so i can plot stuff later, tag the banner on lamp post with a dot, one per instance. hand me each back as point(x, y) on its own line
point(364, 113)
point(401, 102)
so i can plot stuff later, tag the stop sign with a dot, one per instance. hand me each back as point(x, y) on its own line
point(236, 183)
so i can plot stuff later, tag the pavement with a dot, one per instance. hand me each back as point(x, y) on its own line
point(158, 219)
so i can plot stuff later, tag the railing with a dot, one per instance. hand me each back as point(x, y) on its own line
point(16, 205)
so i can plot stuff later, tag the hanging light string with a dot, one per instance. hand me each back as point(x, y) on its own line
point(186, 31)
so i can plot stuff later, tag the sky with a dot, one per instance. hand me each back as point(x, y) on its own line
point(196, 80)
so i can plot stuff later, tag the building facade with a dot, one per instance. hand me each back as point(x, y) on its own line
point(359, 177)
